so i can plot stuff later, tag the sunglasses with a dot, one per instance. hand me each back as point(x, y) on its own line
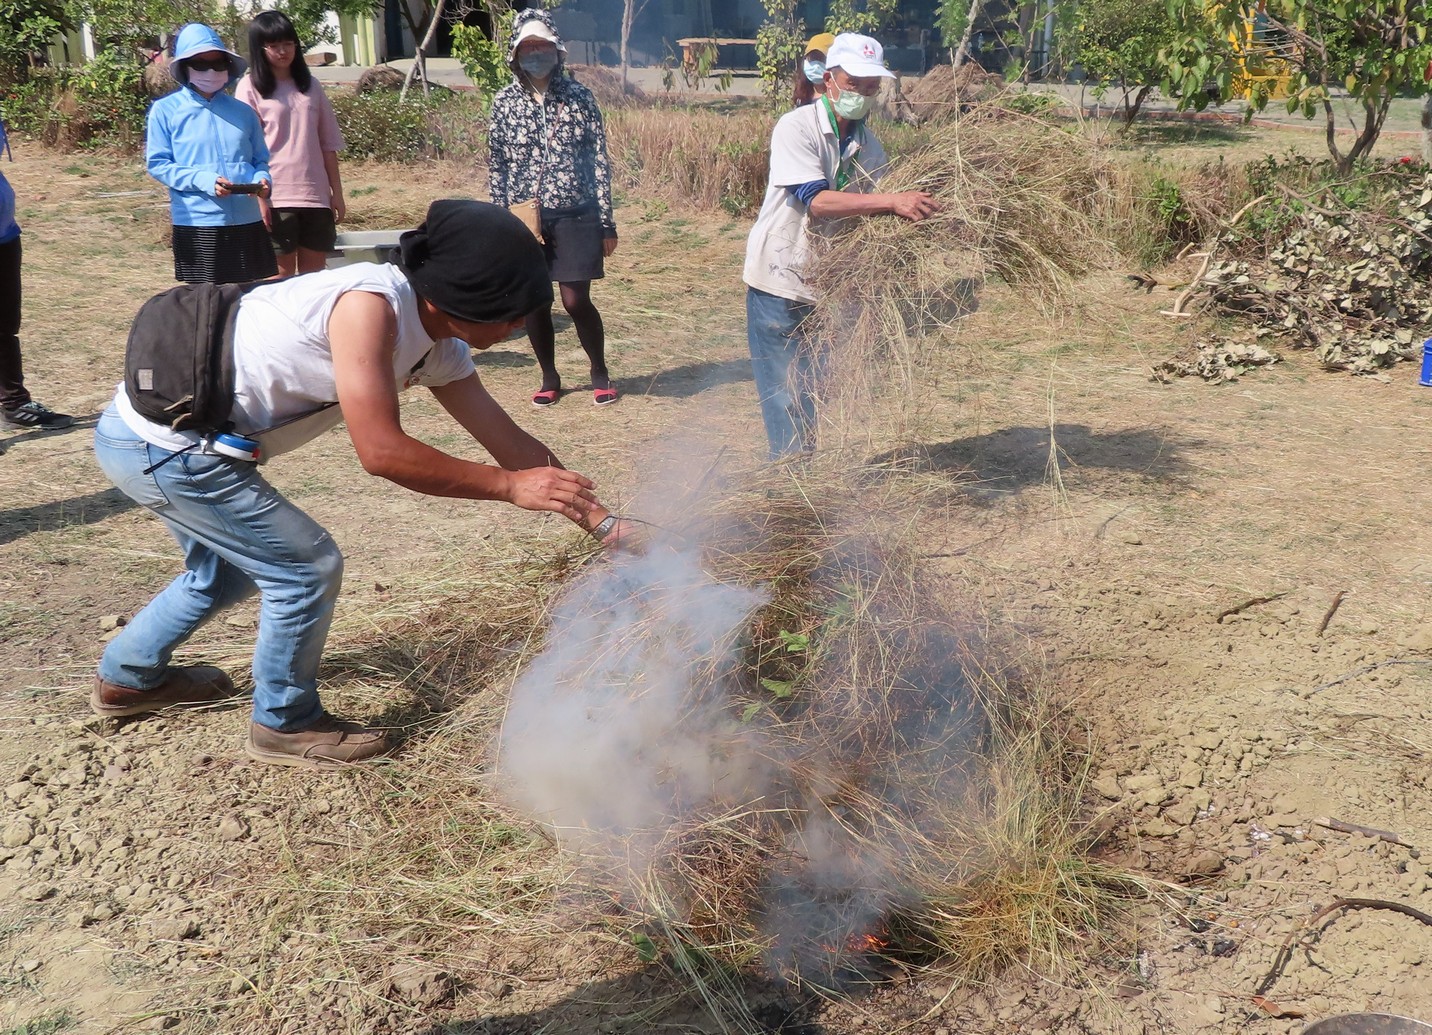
point(217, 65)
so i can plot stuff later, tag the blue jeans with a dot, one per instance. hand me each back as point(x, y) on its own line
point(239, 535)
point(785, 369)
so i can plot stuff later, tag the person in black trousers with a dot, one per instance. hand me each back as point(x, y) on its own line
point(17, 409)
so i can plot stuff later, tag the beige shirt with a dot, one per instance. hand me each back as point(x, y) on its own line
point(804, 148)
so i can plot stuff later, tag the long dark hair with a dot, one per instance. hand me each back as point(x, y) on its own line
point(274, 27)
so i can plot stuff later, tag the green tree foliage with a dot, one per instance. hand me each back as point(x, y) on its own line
point(1118, 42)
point(780, 42)
point(26, 26)
point(484, 60)
point(868, 17)
point(1373, 49)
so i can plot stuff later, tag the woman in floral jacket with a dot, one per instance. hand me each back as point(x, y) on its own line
point(547, 142)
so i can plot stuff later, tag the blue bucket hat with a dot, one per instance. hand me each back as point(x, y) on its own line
point(196, 38)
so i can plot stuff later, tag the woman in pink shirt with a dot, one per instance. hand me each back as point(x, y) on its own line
point(304, 140)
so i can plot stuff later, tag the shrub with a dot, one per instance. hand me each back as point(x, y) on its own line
point(100, 104)
point(378, 125)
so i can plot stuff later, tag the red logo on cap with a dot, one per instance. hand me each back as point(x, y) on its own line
point(866, 50)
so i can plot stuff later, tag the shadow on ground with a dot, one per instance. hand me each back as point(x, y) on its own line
point(513, 356)
point(1171, 130)
point(47, 517)
point(640, 1003)
point(83, 423)
point(693, 378)
point(1001, 463)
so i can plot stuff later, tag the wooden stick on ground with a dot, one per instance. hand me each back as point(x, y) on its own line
point(1193, 286)
point(1332, 610)
point(1250, 603)
point(1285, 951)
point(1344, 827)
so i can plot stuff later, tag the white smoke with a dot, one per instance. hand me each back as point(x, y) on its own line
point(632, 728)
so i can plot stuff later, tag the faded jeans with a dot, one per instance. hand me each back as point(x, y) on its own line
point(785, 370)
point(239, 535)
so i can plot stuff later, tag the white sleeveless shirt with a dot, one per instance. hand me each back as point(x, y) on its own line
point(283, 362)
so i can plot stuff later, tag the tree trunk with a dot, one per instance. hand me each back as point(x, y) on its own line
point(962, 52)
point(628, 15)
point(1132, 107)
point(1427, 129)
point(1373, 118)
point(420, 62)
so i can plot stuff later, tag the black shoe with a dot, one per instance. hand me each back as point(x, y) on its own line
point(33, 415)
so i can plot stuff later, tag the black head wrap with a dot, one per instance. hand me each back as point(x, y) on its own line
point(477, 262)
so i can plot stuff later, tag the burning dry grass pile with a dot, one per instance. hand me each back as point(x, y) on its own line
point(772, 738)
point(770, 744)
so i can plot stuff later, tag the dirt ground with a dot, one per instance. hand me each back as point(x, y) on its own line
point(1174, 551)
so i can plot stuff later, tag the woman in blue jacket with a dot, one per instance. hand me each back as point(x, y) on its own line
point(208, 149)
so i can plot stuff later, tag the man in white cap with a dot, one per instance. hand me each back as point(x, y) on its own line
point(825, 164)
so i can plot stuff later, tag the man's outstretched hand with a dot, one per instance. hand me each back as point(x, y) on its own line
point(554, 489)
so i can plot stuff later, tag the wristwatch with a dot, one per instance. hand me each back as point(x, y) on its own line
point(608, 523)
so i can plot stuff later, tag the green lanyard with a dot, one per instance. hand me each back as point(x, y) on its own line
point(842, 167)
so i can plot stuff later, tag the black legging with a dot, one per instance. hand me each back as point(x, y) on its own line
point(577, 300)
point(12, 379)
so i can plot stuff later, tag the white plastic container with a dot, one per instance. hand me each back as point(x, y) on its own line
point(364, 246)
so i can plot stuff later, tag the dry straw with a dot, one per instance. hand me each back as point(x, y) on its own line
point(1021, 201)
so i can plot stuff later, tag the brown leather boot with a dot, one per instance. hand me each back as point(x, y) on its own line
point(187, 685)
point(328, 744)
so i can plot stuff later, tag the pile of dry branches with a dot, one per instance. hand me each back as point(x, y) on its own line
point(1354, 284)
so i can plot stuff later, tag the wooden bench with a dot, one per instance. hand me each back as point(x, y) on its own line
point(698, 48)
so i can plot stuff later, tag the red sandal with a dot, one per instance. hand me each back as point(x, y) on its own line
point(604, 396)
point(546, 397)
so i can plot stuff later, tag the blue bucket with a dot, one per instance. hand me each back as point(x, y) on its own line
point(1426, 378)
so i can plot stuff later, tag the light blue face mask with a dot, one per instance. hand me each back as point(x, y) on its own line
point(538, 63)
point(814, 70)
point(852, 106)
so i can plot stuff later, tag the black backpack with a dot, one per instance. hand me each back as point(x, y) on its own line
point(179, 363)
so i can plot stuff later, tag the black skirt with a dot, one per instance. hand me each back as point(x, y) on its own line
point(573, 245)
point(223, 254)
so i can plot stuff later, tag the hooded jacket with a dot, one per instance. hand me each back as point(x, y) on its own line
point(552, 147)
point(190, 142)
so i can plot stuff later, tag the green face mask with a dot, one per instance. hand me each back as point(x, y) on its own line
point(851, 105)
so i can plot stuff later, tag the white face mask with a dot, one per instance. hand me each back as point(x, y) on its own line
point(209, 82)
point(538, 63)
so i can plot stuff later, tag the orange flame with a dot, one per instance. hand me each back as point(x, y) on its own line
point(867, 943)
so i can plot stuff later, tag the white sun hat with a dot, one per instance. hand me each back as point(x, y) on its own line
point(860, 56)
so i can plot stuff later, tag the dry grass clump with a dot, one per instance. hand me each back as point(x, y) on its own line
point(1020, 200)
point(606, 87)
point(945, 91)
point(692, 156)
